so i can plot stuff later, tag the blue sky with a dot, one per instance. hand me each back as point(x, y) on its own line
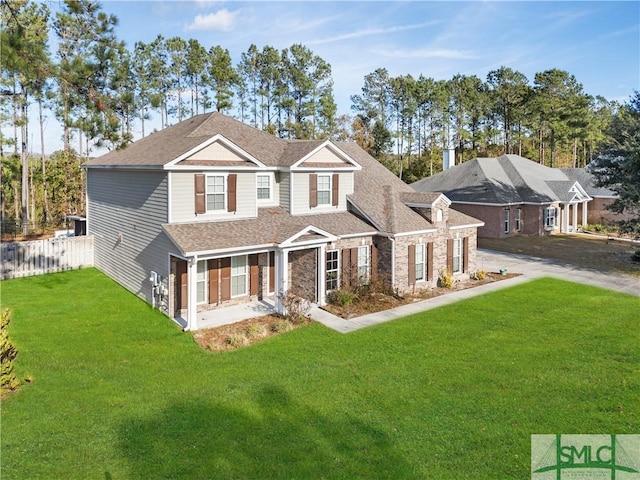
point(598, 42)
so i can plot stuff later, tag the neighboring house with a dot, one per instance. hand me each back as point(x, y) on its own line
point(602, 198)
point(512, 195)
point(211, 212)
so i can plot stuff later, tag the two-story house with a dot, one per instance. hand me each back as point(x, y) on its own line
point(212, 211)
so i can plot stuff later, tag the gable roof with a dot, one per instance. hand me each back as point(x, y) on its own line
point(176, 143)
point(383, 198)
point(509, 179)
point(588, 182)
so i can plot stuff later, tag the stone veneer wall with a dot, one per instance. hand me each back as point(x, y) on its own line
point(303, 273)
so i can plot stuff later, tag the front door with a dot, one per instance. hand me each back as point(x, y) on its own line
point(181, 285)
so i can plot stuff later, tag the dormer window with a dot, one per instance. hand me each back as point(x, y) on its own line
point(439, 215)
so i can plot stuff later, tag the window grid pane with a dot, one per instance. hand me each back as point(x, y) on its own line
point(363, 264)
point(215, 193)
point(264, 187)
point(324, 190)
point(419, 261)
point(201, 281)
point(238, 276)
point(332, 270)
point(457, 255)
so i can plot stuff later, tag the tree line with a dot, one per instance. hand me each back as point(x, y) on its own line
point(103, 94)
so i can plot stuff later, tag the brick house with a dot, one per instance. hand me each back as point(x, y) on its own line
point(602, 197)
point(512, 195)
point(211, 212)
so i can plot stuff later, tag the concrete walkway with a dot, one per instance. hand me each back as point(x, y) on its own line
point(529, 267)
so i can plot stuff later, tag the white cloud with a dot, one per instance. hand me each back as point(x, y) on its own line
point(368, 32)
point(427, 53)
point(223, 20)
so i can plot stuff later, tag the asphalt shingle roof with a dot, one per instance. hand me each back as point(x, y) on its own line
point(503, 180)
point(272, 227)
point(378, 194)
point(588, 182)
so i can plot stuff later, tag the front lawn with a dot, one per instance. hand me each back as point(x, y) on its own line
point(118, 391)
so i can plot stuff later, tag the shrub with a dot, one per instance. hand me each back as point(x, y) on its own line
point(257, 331)
point(342, 297)
point(296, 308)
point(8, 353)
point(636, 256)
point(281, 326)
point(479, 275)
point(446, 279)
point(236, 340)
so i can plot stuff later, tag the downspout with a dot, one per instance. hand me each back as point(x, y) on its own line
point(393, 261)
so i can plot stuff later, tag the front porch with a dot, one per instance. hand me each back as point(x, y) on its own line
point(228, 315)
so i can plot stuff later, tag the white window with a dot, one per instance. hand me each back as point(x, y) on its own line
point(549, 217)
point(332, 270)
point(420, 261)
point(457, 255)
point(216, 193)
point(364, 265)
point(201, 281)
point(238, 276)
point(263, 185)
point(506, 221)
point(518, 219)
point(324, 190)
point(439, 215)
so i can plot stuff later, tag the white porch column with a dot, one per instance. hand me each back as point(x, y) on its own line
point(192, 293)
point(322, 254)
point(282, 277)
point(564, 227)
point(574, 207)
point(584, 212)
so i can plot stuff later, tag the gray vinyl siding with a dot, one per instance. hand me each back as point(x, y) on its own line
point(300, 193)
point(284, 186)
point(183, 192)
point(125, 212)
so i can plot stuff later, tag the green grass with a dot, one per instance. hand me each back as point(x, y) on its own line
point(118, 392)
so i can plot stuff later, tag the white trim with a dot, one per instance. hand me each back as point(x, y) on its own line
point(289, 242)
point(226, 252)
point(442, 196)
point(424, 263)
point(417, 232)
point(471, 225)
point(206, 281)
point(216, 138)
point(272, 182)
point(327, 144)
point(169, 198)
point(225, 202)
point(329, 204)
point(358, 210)
point(246, 276)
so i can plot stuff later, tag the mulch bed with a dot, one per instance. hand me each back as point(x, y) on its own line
point(379, 302)
point(248, 332)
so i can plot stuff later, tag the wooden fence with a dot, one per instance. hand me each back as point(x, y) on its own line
point(37, 257)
